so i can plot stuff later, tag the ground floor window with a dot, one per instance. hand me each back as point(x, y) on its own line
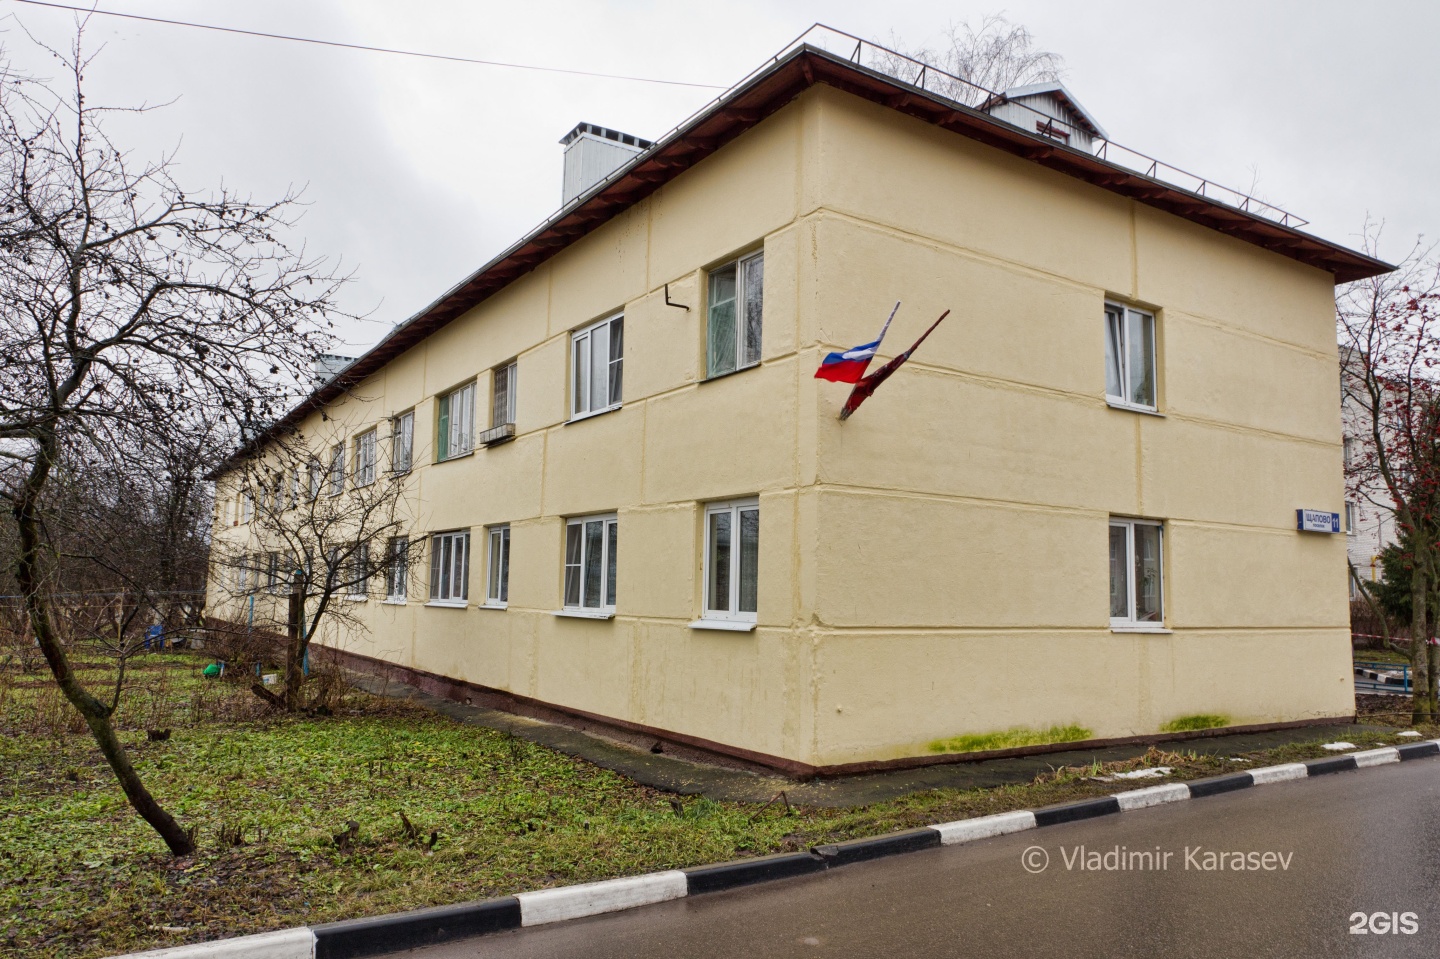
point(397, 573)
point(450, 568)
point(497, 589)
point(590, 545)
point(732, 553)
point(1136, 591)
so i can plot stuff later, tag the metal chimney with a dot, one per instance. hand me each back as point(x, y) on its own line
point(594, 152)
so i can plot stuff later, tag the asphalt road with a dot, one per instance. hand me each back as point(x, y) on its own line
point(1357, 842)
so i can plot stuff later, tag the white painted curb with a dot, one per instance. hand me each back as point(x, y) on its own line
point(284, 944)
point(1279, 774)
point(1376, 757)
point(593, 898)
point(968, 830)
point(1153, 796)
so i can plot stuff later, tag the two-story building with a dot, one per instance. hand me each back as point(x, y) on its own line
point(1074, 507)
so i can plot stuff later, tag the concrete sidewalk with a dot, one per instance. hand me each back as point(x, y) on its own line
point(689, 778)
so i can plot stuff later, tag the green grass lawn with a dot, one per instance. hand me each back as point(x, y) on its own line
point(82, 876)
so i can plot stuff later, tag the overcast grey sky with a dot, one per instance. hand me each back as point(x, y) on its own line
point(417, 172)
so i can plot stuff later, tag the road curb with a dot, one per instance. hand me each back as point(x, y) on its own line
point(377, 935)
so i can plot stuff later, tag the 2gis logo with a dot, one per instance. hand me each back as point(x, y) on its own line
point(1384, 923)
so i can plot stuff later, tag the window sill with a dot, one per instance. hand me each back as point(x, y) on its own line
point(1140, 628)
point(492, 605)
point(730, 625)
point(593, 413)
point(585, 613)
point(446, 604)
point(457, 456)
point(739, 369)
point(1115, 404)
point(356, 599)
point(393, 602)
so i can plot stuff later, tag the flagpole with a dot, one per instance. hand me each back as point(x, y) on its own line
point(886, 328)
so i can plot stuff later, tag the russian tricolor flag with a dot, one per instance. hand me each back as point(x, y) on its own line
point(847, 367)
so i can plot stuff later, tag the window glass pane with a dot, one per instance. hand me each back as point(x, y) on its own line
point(617, 357)
point(1147, 574)
point(447, 557)
point(581, 362)
point(435, 568)
point(462, 590)
point(719, 560)
point(1140, 357)
point(494, 589)
point(599, 361)
point(442, 433)
point(498, 402)
point(572, 564)
point(720, 329)
point(505, 565)
point(754, 293)
point(594, 548)
point(1114, 350)
point(1119, 573)
point(749, 560)
point(611, 549)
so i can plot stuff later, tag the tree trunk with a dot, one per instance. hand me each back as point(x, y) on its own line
point(1420, 711)
point(96, 715)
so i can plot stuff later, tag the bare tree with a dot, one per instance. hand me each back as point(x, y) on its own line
point(989, 57)
point(129, 309)
point(317, 535)
point(1389, 329)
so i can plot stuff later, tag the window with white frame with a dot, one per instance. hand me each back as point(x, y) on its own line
point(732, 554)
point(277, 493)
point(313, 467)
point(497, 581)
point(397, 571)
point(450, 568)
point(1136, 570)
point(357, 577)
point(736, 306)
point(596, 363)
point(502, 406)
point(455, 426)
point(337, 469)
point(294, 489)
point(365, 458)
point(590, 545)
point(402, 442)
point(274, 574)
point(1350, 518)
point(1129, 357)
point(247, 505)
point(1348, 451)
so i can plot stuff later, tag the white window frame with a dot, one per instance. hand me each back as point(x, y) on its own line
point(1129, 623)
point(316, 477)
point(502, 394)
point(451, 548)
point(337, 469)
point(459, 439)
point(402, 442)
point(1117, 336)
point(294, 489)
point(358, 572)
point(1350, 514)
point(745, 354)
point(397, 571)
point(609, 526)
point(732, 616)
point(366, 449)
point(247, 506)
point(497, 566)
point(582, 370)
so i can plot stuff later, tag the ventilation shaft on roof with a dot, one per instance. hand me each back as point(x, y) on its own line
point(594, 152)
point(1049, 110)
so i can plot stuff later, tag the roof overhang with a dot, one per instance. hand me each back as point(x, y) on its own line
point(746, 105)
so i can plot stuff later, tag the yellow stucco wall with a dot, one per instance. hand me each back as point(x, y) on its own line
point(936, 565)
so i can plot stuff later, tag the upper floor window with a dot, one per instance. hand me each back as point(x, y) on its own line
point(736, 308)
point(590, 545)
point(1129, 357)
point(502, 406)
point(1350, 518)
point(402, 442)
point(365, 458)
point(1136, 570)
point(247, 505)
point(596, 355)
point(732, 553)
point(294, 489)
point(455, 435)
point(337, 469)
point(315, 476)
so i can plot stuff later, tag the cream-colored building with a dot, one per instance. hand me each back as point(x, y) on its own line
point(1076, 505)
